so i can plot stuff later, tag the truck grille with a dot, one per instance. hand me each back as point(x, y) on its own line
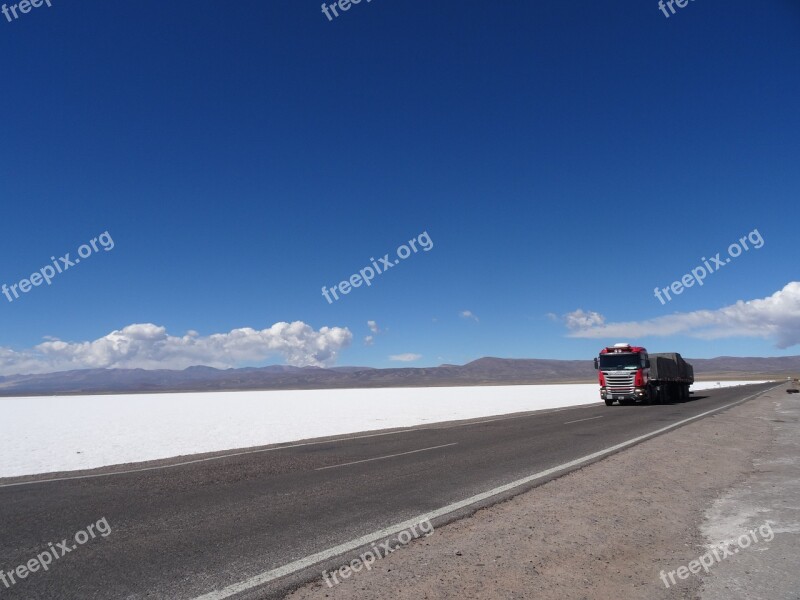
point(620, 383)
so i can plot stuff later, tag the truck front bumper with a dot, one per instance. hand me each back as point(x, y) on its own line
point(637, 394)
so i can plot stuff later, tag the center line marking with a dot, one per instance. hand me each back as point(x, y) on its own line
point(355, 462)
point(587, 419)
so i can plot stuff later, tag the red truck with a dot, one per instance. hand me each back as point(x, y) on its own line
point(629, 374)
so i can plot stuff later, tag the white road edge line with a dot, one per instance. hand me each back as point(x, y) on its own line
point(355, 462)
point(587, 419)
point(420, 427)
point(308, 561)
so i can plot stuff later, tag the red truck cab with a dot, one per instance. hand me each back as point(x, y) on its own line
point(623, 371)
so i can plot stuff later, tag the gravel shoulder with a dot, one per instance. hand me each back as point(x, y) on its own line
point(758, 520)
point(604, 531)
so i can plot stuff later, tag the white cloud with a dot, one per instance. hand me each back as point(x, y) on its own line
point(148, 346)
point(369, 340)
point(373, 326)
point(468, 314)
point(407, 357)
point(776, 317)
point(583, 320)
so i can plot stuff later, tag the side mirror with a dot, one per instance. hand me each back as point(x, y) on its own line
point(596, 365)
point(647, 364)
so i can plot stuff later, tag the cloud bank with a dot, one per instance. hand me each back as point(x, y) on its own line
point(148, 346)
point(776, 318)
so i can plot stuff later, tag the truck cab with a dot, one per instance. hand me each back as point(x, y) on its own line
point(623, 372)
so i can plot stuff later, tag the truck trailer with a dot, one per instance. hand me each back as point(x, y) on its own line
point(628, 374)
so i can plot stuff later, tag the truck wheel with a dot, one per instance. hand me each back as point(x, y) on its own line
point(609, 402)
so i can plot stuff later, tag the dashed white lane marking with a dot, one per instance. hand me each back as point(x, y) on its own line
point(579, 420)
point(355, 462)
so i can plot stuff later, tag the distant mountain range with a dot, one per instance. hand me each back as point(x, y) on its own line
point(484, 371)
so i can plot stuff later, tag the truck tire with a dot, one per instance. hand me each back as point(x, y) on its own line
point(609, 402)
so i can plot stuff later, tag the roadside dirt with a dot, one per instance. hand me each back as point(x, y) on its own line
point(605, 531)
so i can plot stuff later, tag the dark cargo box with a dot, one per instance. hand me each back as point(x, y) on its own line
point(670, 366)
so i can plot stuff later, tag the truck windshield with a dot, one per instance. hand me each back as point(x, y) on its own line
point(619, 361)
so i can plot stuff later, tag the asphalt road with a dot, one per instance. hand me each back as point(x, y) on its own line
point(264, 521)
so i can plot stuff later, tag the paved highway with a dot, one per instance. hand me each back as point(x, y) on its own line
point(252, 524)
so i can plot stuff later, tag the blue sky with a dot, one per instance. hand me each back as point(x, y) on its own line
point(560, 155)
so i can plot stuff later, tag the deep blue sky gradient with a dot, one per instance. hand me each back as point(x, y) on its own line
point(561, 155)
